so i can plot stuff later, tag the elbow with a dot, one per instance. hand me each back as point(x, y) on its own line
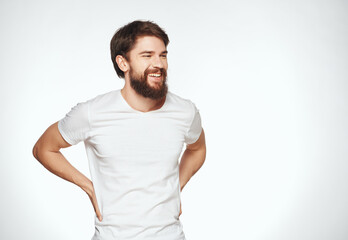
point(35, 152)
point(204, 153)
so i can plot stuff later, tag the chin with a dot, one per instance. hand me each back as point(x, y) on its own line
point(155, 85)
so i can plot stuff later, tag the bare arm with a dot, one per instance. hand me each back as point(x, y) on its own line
point(192, 160)
point(46, 151)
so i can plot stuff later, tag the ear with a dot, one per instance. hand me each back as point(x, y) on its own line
point(122, 63)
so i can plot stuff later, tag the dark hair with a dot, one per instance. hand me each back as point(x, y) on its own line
point(125, 37)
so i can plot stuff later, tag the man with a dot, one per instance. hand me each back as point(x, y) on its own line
point(133, 138)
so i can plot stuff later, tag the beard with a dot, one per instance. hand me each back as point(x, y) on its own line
point(142, 87)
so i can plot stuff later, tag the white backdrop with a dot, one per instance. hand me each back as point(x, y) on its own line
point(269, 79)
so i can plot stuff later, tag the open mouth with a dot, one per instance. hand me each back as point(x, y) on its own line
point(156, 77)
point(155, 74)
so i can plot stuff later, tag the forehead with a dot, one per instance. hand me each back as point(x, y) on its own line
point(148, 43)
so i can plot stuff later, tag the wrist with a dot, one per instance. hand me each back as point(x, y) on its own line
point(85, 184)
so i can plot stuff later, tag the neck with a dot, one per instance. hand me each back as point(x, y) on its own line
point(139, 102)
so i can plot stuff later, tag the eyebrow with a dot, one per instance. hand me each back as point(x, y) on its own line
point(151, 52)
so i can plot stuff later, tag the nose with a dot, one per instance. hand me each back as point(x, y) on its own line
point(157, 62)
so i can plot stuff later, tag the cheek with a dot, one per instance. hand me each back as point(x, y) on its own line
point(140, 69)
point(143, 66)
point(140, 65)
point(165, 64)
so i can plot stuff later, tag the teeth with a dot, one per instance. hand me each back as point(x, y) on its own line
point(155, 75)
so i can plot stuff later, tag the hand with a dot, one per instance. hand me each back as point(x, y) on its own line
point(180, 209)
point(92, 197)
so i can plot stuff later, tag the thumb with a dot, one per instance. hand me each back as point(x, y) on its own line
point(180, 209)
point(96, 208)
point(93, 199)
point(99, 216)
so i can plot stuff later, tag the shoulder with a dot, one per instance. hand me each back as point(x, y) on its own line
point(104, 97)
point(103, 100)
point(183, 107)
point(184, 103)
point(81, 110)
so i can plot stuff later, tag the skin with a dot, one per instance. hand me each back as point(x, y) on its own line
point(47, 148)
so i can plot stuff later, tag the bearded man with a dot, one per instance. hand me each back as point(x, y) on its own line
point(133, 137)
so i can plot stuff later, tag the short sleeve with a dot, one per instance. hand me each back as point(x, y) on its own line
point(74, 127)
point(195, 128)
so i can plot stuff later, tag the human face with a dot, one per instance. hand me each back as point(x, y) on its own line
point(148, 67)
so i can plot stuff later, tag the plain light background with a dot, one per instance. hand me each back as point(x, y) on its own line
point(269, 79)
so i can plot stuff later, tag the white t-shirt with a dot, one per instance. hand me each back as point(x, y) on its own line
point(133, 160)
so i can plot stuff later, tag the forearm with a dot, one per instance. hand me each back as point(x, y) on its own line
point(56, 163)
point(191, 161)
